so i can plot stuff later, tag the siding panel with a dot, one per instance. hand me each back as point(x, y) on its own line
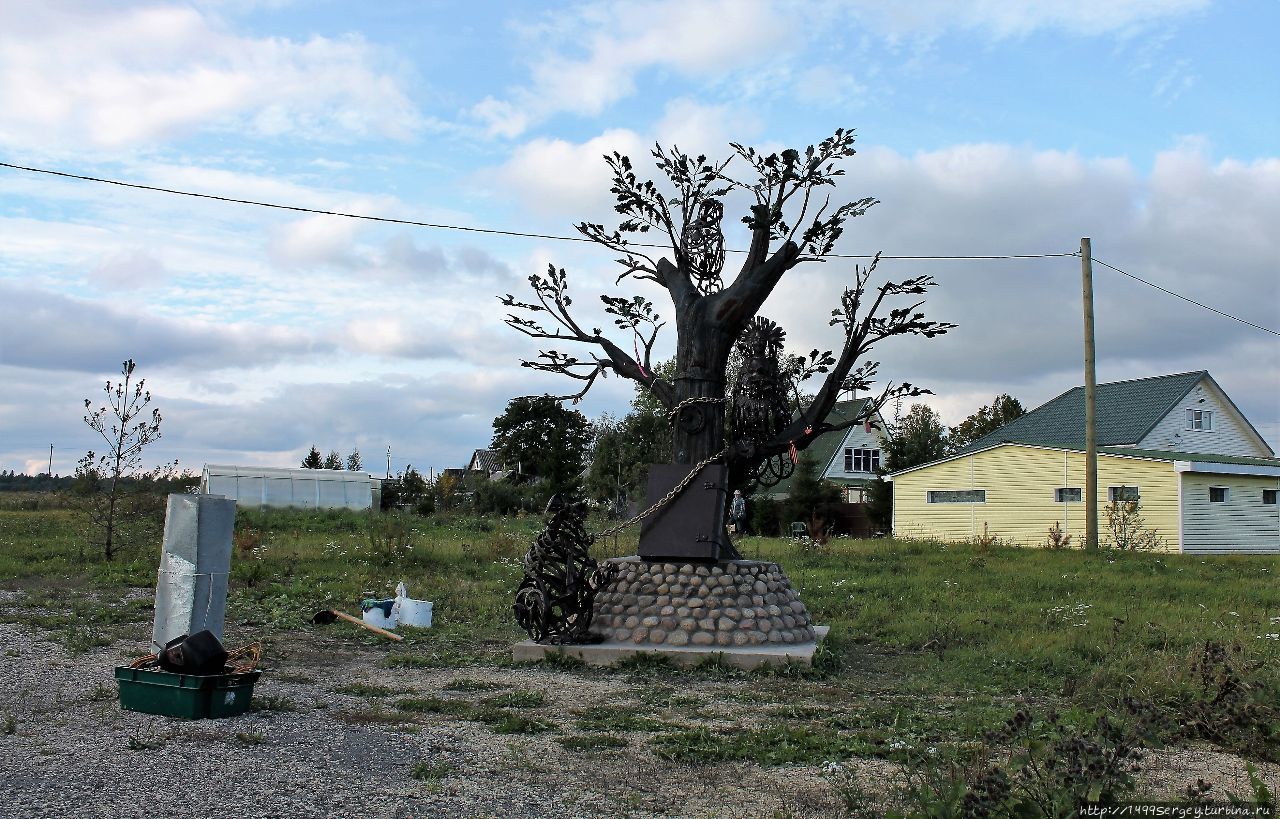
point(1229, 436)
point(1241, 524)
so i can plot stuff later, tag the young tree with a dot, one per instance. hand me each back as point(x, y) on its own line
point(542, 438)
point(101, 479)
point(1001, 411)
point(812, 500)
point(920, 437)
point(313, 459)
point(333, 460)
point(353, 461)
point(710, 316)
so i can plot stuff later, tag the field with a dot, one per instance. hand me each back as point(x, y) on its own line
point(944, 662)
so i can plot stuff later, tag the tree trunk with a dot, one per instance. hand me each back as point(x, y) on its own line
point(702, 353)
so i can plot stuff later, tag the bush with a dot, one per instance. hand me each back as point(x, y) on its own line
point(766, 516)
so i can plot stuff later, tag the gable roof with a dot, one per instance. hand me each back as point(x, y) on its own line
point(1125, 412)
point(825, 447)
point(485, 459)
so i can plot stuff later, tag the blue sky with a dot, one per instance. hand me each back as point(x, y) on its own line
point(984, 128)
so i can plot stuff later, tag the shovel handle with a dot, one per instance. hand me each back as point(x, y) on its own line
point(389, 635)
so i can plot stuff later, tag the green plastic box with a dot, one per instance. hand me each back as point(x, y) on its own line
point(186, 696)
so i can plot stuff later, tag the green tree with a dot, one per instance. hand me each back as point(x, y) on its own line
point(812, 500)
point(1001, 411)
point(313, 459)
point(353, 461)
point(920, 437)
point(333, 460)
point(112, 487)
point(622, 449)
point(542, 438)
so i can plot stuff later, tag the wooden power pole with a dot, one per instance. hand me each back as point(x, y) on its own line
point(1090, 396)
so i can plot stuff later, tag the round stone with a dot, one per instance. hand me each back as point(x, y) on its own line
point(716, 571)
point(657, 635)
point(771, 598)
point(678, 638)
point(694, 582)
point(682, 611)
point(775, 636)
point(747, 623)
point(663, 589)
point(757, 600)
point(724, 638)
point(663, 599)
point(696, 603)
point(639, 635)
point(668, 568)
point(688, 624)
point(713, 613)
point(759, 587)
point(707, 624)
point(702, 638)
point(726, 581)
point(788, 637)
point(631, 622)
point(732, 613)
point(622, 634)
point(668, 623)
point(744, 600)
point(686, 569)
point(646, 600)
point(757, 637)
point(774, 611)
point(725, 624)
point(741, 638)
point(788, 621)
point(666, 611)
point(650, 621)
point(797, 607)
point(648, 588)
point(702, 571)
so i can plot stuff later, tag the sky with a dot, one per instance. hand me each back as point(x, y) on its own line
point(984, 128)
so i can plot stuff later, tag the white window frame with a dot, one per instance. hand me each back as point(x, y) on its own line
point(848, 459)
point(1060, 494)
point(1113, 493)
point(1199, 420)
point(1271, 502)
point(1226, 494)
point(867, 458)
point(946, 495)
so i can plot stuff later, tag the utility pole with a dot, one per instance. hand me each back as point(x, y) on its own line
point(50, 460)
point(1090, 396)
point(388, 460)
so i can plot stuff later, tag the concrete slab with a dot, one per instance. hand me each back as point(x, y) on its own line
point(612, 651)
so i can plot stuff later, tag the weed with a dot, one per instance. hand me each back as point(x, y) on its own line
point(103, 693)
point(369, 716)
point(435, 705)
point(592, 742)
point(364, 690)
point(1129, 532)
point(562, 661)
point(604, 719)
point(645, 663)
point(147, 743)
point(273, 704)
point(505, 722)
point(517, 699)
point(251, 737)
point(661, 697)
point(9, 725)
point(770, 745)
point(1057, 538)
point(428, 771)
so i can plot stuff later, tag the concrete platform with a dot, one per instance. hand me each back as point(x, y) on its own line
point(610, 652)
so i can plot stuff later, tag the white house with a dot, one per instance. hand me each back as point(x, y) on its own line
point(304, 488)
point(850, 458)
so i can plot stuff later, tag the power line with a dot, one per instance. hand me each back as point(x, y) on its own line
point(492, 231)
point(1184, 298)
point(529, 235)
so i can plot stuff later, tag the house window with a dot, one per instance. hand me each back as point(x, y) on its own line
point(1122, 493)
point(848, 460)
point(855, 495)
point(1217, 494)
point(1269, 496)
point(1067, 494)
point(957, 496)
point(1200, 420)
point(863, 460)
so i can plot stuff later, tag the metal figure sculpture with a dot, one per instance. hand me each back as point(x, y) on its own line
point(555, 599)
point(760, 408)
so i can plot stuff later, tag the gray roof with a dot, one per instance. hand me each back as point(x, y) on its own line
point(486, 460)
point(1125, 412)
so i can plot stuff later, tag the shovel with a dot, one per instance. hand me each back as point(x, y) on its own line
point(324, 618)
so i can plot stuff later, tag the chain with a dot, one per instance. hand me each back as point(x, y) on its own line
point(689, 402)
point(667, 498)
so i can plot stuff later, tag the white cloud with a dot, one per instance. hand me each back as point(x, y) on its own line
point(131, 269)
point(694, 38)
point(1018, 18)
point(87, 74)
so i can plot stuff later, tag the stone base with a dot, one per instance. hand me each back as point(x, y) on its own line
point(730, 604)
point(611, 652)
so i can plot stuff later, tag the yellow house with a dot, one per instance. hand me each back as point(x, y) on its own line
point(1021, 480)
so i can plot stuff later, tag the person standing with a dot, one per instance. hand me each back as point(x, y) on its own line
point(738, 512)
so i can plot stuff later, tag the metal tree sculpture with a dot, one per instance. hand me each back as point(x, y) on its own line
point(555, 599)
point(760, 407)
point(710, 317)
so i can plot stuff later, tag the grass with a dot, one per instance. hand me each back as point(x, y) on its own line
point(928, 641)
